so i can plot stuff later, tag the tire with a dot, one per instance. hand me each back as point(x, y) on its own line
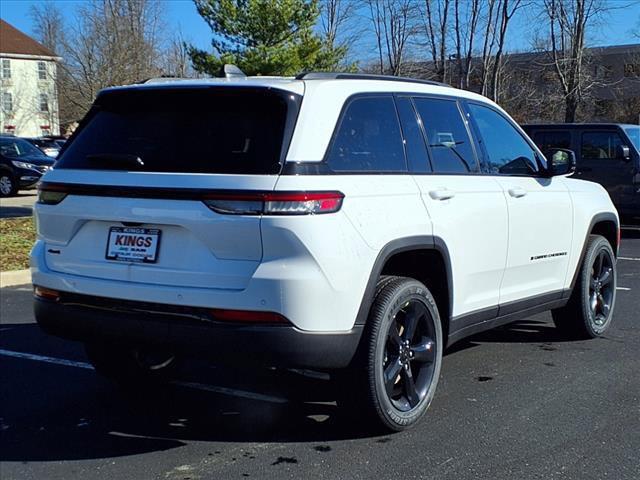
point(131, 367)
point(8, 184)
point(590, 309)
point(394, 375)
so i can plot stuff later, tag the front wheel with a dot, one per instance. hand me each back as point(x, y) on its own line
point(8, 185)
point(396, 371)
point(590, 309)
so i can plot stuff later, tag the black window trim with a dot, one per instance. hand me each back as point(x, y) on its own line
point(466, 123)
point(540, 159)
point(418, 119)
point(322, 167)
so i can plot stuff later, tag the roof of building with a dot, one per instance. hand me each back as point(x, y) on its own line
point(14, 41)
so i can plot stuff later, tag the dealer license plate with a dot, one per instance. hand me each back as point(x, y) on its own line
point(128, 244)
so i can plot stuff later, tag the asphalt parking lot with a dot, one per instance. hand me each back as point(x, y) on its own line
point(514, 403)
point(19, 206)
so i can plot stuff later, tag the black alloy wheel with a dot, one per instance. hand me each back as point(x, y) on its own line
point(590, 309)
point(601, 288)
point(409, 356)
point(393, 377)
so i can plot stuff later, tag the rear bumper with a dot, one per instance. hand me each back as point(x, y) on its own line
point(86, 318)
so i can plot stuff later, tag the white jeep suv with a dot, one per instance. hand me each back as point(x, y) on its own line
point(348, 223)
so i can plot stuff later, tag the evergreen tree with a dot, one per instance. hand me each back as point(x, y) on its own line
point(264, 37)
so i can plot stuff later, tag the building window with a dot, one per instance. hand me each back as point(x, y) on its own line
point(604, 72)
point(7, 102)
point(44, 102)
point(632, 70)
point(42, 71)
point(6, 68)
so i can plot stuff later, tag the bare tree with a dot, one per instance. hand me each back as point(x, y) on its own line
point(393, 24)
point(336, 16)
point(436, 27)
point(340, 28)
point(177, 62)
point(568, 24)
point(113, 42)
point(465, 38)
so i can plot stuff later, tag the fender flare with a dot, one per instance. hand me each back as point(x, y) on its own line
point(597, 218)
point(399, 245)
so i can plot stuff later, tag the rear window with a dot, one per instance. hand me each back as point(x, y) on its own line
point(190, 130)
point(553, 139)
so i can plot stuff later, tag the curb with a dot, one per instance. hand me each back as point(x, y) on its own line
point(15, 277)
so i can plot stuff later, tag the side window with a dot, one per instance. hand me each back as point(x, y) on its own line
point(600, 145)
point(368, 138)
point(447, 136)
point(507, 150)
point(553, 139)
point(415, 147)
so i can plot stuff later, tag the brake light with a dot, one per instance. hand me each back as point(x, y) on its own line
point(51, 194)
point(248, 316)
point(275, 203)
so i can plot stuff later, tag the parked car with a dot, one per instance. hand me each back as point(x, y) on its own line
point(607, 153)
point(359, 232)
point(48, 146)
point(21, 165)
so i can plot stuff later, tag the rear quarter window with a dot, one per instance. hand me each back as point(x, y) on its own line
point(368, 138)
point(187, 130)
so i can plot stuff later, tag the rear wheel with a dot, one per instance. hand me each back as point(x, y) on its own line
point(8, 184)
point(394, 376)
point(590, 309)
point(131, 366)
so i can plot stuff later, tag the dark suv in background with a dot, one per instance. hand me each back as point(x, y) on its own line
point(606, 153)
point(21, 165)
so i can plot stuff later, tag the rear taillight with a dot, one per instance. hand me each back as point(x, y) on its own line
point(275, 203)
point(51, 194)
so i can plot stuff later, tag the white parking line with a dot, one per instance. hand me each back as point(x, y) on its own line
point(42, 358)
point(629, 258)
point(198, 386)
point(624, 289)
point(232, 392)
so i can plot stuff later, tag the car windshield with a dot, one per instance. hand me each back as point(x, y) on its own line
point(18, 148)
point(634, 135)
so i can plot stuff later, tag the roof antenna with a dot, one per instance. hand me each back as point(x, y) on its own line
point(229, 71)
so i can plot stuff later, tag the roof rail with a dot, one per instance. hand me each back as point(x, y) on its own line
point(363, 76)
point(162, 79)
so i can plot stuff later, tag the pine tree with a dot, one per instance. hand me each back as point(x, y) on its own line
point(264, 37)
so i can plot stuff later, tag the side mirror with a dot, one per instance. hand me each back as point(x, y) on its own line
point(623, 153)
point(560, 161)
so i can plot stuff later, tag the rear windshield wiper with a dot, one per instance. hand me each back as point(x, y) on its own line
point(111, 160)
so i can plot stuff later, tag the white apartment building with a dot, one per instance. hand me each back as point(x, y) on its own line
point(28, 95)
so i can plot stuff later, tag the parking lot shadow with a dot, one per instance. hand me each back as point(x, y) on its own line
point(12, 212)
point(57, 412)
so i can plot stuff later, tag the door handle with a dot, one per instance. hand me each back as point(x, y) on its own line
point(442, 194)
point(517, 192)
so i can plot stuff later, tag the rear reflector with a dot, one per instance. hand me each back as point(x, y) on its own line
point(248, 316)
point(275, 203)
point(46, 293)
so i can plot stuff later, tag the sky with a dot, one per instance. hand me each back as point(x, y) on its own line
point(182, 14)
